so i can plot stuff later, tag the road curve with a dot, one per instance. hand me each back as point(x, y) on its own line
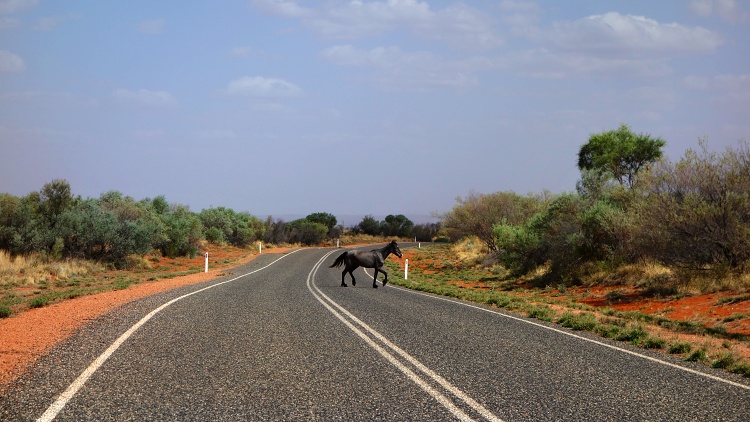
point(279, 339)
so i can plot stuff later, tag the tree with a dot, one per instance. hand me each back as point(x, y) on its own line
point(696, 211)
point(324, 218)
point(56, 198)
point(396, 225)
point(368, 225)
point(620, 153)
point(307, 232)
point(477, 214)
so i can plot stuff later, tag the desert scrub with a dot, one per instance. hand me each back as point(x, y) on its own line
point(679, 348)
point(544, 313)
point(578, 322)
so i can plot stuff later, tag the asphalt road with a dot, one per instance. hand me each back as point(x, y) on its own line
point(279, 339)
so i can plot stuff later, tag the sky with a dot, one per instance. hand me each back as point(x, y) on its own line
point(279, 107)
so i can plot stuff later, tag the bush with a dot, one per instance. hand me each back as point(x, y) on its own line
point(307, 232)
point(478, 214)
point(696, 212)
point(578, 322)
point(183, 231)
point(222, 225)
point(679, 348)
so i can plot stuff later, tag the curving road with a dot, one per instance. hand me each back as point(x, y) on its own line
point(278, 339)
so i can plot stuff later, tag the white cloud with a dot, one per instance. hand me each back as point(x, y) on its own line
point(395, 68)
point(151, 27)
point(282, 7)
point(458, 24)
point(145, 97)
point(546, 64)
point(10, 62)
point(519, 14)
point(12, 6)
point(728, 10)
point(616, 35)
point(258, 86)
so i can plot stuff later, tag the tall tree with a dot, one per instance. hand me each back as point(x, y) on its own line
point(620, 153)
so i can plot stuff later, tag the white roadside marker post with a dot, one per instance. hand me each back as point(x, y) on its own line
point(206, 270)
point(260, 247)
point(406, 269)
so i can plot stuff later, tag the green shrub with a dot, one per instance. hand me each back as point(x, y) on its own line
point(698, 355)
point(543, 313)
point(39, 302)
point(679, 348)
point(742, 368)
point(653, 343)
point(578, 322)
point(5, 311)
point(724, 361)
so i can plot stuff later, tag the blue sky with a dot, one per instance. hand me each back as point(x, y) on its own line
point(354, 107)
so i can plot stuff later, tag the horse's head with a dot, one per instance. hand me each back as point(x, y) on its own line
point(394, 248)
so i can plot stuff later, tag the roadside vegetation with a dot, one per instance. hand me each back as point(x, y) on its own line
point(636, 222)
point(461, 271)
point(56, 246)
point(659, 228)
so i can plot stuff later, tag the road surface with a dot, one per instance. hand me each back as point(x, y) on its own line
point(279, 339)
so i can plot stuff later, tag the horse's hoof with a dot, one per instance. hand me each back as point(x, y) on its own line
point(343, 285)
point(374, 286)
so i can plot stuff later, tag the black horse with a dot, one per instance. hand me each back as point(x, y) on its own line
point(371, 259)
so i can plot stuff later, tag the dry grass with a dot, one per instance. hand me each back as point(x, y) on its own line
point(470, 250)
point(34, 269)
point(641, 274)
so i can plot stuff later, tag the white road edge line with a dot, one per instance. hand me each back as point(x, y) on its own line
point(71, 391)
point(630, 352)
point(447, 403)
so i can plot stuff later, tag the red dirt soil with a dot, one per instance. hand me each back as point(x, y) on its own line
point(706, 309)
point(28, 335)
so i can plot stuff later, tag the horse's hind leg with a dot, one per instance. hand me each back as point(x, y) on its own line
point(343, 274)
point(375, 279)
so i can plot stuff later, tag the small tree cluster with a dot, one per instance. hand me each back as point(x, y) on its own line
point(110, 228)
point(696, 211)
point(223, 225)
point(397, 226)
point(693, 213)
point(311, 230)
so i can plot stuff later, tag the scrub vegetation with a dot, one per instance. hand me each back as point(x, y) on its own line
point(637, 225)
point(56, 246)
point(460, 270)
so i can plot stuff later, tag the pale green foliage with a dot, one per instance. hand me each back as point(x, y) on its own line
point(620, 152)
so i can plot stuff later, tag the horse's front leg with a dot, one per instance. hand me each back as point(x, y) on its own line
point(385, 280)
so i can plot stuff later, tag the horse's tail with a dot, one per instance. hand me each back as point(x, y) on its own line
point(339, 260)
